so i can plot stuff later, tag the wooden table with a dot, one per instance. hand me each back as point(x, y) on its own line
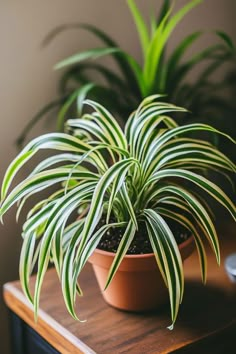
point(206, 322)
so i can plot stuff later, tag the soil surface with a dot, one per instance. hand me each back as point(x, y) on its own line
point(140, 244)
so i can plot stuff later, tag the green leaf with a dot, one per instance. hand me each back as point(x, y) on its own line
point(40, 217)
point(25, 266)
point(154, 54)
point(57, 141)
point(181, 219)
point(211, 54)
point(159, 40)
point(109, 124)
point(128, 205)
point(56, 221)
point(97, 199)
point(140, 25)
point(105, 38)
point(68, 268)
point(148, 111)
point(157, 144)
point(164, 244)
point(138, 74)
point(164, 10)
point(93, 54)
point(226, 38)
point(40, 181)
point(201, 214)
point(178, 53)
point(176, 155)
point(126, 240)
point(208, 186)
point(78, 95)
point(94, 241)
point(58, 159)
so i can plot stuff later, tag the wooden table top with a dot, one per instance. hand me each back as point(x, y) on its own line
point(207, 312)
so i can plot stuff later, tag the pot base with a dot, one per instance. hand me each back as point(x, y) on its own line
point(131, 291)
point(137, 285)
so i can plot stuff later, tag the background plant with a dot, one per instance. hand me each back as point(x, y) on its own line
point(153, 168)
point(122, 91)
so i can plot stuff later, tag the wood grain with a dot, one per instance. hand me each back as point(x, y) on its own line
point(206, 311)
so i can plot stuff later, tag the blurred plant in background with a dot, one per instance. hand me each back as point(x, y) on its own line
point(123, 89)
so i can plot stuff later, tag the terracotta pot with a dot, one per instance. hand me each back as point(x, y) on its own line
point(137, 285)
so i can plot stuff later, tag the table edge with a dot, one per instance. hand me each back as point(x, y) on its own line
point(52, 331)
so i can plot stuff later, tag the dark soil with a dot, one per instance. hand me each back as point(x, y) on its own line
point(140, 244)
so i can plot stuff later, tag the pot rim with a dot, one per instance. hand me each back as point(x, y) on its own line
point(144, 255)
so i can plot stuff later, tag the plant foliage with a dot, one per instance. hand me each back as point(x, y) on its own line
point(147, 172)
point(123, 89)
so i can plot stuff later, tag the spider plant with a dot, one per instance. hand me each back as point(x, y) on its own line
point(145, 173)
point(121, 90)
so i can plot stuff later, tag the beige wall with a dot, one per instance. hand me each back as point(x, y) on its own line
point(28, 81)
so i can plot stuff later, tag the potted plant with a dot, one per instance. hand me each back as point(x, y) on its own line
point(122, 89)
point(124, 183)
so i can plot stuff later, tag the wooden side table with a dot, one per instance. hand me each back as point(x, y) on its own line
point(206, 322)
